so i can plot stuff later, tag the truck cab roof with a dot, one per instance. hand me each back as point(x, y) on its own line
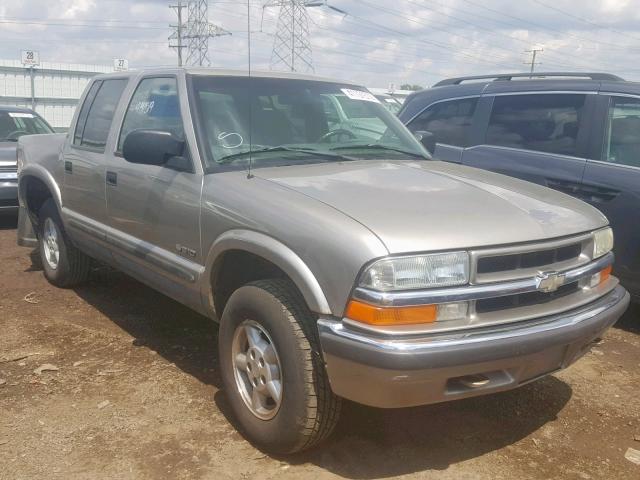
point(219, 72)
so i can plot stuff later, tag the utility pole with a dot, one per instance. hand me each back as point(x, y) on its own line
point(534, 52)
point(178, 32)
point(32, 75)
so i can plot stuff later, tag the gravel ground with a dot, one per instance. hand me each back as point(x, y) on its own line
point(136, 395)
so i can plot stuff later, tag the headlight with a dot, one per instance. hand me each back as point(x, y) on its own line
point(602, 242)
point(420, 271)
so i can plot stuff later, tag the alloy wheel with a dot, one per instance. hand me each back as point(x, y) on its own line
point(257, 369)
point(51, 247)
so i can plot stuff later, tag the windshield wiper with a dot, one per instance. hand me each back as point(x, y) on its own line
point(381, 147)
point(284, 148)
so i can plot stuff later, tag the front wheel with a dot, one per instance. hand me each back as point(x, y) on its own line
point(271, 369)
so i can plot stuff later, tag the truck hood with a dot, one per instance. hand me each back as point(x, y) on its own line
point(429, 206)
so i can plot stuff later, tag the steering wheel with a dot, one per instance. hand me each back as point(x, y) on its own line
point(334, 133)
point(16, 134)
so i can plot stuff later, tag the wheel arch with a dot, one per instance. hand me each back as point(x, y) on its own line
point(35, 185)
point(37, 175)
point(271, 253)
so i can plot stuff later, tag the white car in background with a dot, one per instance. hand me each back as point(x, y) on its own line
point(397, 95)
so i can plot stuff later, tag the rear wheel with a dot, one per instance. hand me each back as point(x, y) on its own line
point(63, 264)
point(271, 368)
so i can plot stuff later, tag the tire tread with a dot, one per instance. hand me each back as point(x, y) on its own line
point(323, 406)
point(78, 263)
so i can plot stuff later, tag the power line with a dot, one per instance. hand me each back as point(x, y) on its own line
point(583, 20)
point(545, 27)
point(491, 31)
point(417, 22)
point(82, 25)
point(475, 26)
point(412, 39)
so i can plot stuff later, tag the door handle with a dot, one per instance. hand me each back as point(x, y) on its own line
point(68, 166)
point(583, 191)
point(598, 194)
point(565, 186)
point(112, 178)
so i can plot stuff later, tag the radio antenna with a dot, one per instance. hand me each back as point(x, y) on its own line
point(249, 175)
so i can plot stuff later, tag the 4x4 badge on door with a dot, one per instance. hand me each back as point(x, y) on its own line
point(549, 281)
point(185, 251)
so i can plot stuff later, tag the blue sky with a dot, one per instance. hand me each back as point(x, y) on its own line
point(379, 42)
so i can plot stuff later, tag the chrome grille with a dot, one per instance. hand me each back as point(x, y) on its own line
point(524, 299)
point(529, 259)
point(8, 168)
point(526, 261)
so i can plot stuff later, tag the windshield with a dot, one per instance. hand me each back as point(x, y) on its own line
point(15, 124)
point(291, 121)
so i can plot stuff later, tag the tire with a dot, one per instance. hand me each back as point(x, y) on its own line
point(69, 267)
point(308, 410)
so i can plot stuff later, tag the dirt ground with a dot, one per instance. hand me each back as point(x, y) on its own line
point(137, 396)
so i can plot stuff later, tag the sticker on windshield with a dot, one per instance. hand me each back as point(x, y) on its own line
point(359, 95)
point(20, 115)
point(230, 139)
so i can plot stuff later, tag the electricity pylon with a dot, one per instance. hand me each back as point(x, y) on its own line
point(291, 44)
point(196, 33)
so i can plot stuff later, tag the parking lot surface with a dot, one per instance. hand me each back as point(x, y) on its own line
point(128, 388)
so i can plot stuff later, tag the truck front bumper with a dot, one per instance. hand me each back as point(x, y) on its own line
point(389, 373)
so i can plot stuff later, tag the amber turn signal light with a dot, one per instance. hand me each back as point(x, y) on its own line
point(605, 273)
point(386, 316)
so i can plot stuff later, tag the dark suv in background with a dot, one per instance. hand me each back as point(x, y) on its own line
point(578, 133)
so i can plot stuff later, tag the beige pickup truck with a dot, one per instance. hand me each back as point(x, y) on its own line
point(340, 259)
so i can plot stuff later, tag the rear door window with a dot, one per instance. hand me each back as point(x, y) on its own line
point(98, 123)
point(450, 121)
point(540, 122)
point(84, 111)
point(622, 142)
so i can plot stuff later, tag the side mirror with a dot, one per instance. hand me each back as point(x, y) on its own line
point(427, 139)
point(151, 147)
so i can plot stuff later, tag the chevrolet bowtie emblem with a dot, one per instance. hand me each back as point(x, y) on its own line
point(549, 281)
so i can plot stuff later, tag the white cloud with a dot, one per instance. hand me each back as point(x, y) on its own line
point(73, 8)
point(379, 42)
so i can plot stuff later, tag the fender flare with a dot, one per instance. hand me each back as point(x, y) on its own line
point(42, 174)
point(275, 252)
